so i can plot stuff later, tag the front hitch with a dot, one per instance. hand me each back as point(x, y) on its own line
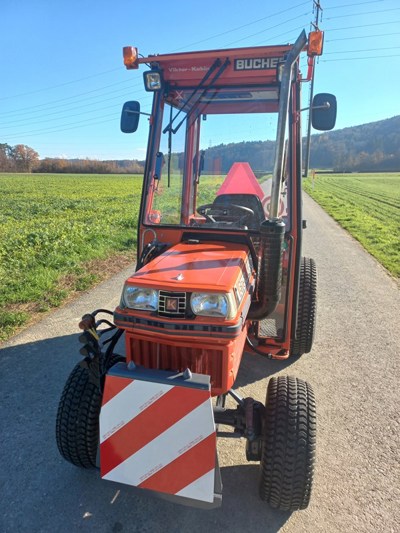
point(96, 358)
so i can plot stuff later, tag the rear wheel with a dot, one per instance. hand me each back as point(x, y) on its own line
point(307, 309)
point(289, 442)
point(77, 425)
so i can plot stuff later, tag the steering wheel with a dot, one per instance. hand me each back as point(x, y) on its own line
point(228, 213)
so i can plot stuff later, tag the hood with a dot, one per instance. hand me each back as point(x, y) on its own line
point(194, 267)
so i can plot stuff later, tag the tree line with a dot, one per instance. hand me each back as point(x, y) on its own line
point(88, 166)
point(369, 147)
point(22, 158)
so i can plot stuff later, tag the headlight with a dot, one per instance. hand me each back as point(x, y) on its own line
point(140, 298)
point(212, 304)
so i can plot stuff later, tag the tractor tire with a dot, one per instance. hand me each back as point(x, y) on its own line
point(289, 442)
point(77, 424)
point(307, 310)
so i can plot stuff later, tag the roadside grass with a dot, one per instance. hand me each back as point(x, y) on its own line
point(368, 207)
point(57, 233)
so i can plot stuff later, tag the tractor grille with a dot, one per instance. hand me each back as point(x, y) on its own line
point(169, 357)
point(172, 304)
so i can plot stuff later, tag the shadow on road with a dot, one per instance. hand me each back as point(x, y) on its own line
point(104, 506)
point(255, 367)
point(45, 493)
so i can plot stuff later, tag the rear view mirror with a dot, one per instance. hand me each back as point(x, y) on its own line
point(130, 117)
point(323, 112)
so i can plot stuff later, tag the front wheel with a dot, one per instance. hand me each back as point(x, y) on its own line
point(289, 442)
point(77, 425)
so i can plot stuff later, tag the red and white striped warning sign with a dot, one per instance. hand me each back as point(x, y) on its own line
point(158, 436)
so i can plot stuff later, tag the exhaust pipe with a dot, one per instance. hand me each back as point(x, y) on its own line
point(272, 231)
point(270, 271)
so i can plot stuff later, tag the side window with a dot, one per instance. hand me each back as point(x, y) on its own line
point(167, 197)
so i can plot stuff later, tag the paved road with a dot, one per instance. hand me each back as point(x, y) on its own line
point(354, 368)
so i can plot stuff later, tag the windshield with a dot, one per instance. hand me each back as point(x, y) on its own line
point(214, 163)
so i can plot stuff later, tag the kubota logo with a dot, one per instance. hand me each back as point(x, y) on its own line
point(257, 63)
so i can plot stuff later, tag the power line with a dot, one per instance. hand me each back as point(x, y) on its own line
point(358, 4)
point(76, 107)
point(68, 116)
point(41, 132)
point(191, 44)
point(242, 26)
point(280, 35)
point(364, 50)
point(60, 84)
point(364, 13)
point(264, 30)
point(362, 37)
point(52, 130)
point(356, 58)
point(364, 25)
point(39, 107)
point(69, 97)
point(46, 105)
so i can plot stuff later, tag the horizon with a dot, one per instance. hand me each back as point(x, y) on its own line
point(335, 130)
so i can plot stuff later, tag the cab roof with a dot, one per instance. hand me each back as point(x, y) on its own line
point(245, 66)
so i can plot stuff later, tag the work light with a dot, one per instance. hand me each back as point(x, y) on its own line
point(152, 80)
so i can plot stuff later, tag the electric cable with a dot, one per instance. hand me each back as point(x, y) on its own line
point(362, 37)
point(60, 84)
point(357, 58)
point(363, 13)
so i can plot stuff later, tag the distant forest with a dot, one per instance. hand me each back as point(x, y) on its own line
point(369, 147)
point(373, 147)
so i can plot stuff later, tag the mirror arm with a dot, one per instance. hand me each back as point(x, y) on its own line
point(326, 105)
point(130, 112)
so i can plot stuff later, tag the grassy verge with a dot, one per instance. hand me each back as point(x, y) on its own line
point(57, 235)
point(368, 207)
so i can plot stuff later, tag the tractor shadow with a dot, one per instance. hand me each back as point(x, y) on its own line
point(254, 368)
point(48, 494)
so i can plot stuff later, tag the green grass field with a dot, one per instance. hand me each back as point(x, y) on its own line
point(55, 230)
point(368, 207)
point(51, 226)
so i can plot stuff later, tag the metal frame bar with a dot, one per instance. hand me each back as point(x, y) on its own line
point(282, 121)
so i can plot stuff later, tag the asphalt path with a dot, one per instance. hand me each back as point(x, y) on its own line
point(354, 369)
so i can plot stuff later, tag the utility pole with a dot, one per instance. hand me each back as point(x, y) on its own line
point(317, 9)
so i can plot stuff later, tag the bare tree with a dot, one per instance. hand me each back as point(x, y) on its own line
point(24, 157)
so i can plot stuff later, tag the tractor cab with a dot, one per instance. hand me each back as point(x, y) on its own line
point(219, 271)
point(202, 186)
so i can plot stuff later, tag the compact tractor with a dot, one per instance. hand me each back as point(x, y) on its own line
point(219, 272)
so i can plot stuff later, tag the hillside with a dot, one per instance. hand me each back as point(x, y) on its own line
point(369, 147)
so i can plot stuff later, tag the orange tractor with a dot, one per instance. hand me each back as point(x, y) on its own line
point(219, 272)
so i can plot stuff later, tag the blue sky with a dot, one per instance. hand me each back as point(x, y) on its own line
point(63, 82)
